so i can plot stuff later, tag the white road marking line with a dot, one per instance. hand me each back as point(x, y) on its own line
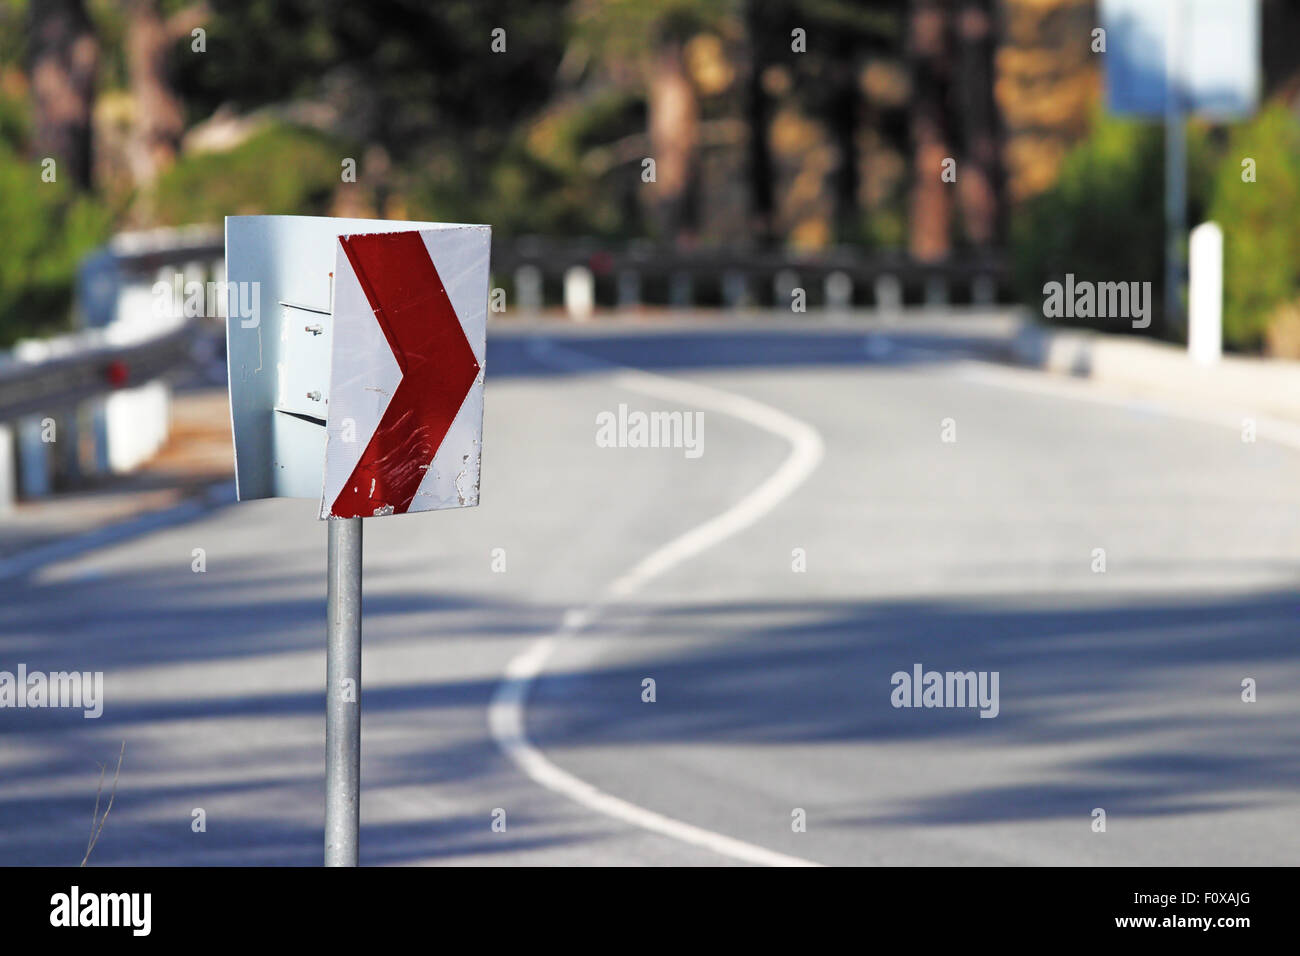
point(506, 712)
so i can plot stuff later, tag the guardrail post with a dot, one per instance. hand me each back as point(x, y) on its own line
point(838, 292)
point(135, 424)
point(735, 289)
point(117, 432)
point(579, 293)
point(99, 436)
point(8, 477)
point(33, 459)
point(889, 295)
point(528, 288)
point(629, 289)
point(783, 286)
point(681, 293)
point(68, 446)
point(936, 292)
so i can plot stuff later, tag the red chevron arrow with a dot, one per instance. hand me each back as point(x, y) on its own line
point(438, 369)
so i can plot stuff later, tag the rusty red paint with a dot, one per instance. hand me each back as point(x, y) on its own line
point(438, 369)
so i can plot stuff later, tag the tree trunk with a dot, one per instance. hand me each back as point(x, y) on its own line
point(674, 133)
point(845, 122)
point(762, 204)
point(64, 57)
point(980, 182)
point(159, 120)
point(929, 223)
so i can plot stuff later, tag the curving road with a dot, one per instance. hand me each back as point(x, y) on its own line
point(520, 690)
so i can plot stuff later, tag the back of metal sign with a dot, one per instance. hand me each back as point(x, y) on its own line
point(279, 338)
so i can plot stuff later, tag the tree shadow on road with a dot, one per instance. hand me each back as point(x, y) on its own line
point(1131, 703)
point(1154, 685)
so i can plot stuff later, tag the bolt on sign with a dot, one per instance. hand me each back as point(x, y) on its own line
point(361, 382)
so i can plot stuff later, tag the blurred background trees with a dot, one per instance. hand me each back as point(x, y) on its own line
point(803, 124)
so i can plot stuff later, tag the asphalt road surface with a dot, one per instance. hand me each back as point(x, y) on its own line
point(507, 647)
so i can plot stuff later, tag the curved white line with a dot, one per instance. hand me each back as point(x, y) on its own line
point(506, 712)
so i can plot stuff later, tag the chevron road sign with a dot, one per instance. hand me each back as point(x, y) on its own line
point(406, 387)
point(360, 380)
point(355, 351)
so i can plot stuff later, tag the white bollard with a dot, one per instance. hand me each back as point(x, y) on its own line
point(1205, 294)
point(579, 292)
point(8, 475)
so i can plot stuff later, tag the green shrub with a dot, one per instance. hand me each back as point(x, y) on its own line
point(46, 230)
point(1103, 219)
point(281, 170)
point(1261, 224)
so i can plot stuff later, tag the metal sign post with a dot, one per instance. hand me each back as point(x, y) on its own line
point(1171, 59)
point(343, 694)
point(1175, 170)
point(355, 349)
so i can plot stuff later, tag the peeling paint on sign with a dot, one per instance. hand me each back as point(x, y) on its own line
point(406, 370)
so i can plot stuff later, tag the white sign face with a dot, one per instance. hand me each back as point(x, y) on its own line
point(406, 391)
point(356, 353)
point(1210, 48)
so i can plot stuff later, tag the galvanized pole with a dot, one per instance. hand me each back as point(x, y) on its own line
point(343, 694)
point(1175, 170)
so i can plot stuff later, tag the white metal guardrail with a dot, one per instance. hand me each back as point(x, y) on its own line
point(98, 400)
point(589, 273)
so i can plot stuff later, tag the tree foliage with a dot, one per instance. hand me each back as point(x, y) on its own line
point(1261, 224)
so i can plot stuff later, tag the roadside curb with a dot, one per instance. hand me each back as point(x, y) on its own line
point(212, 497)
point(1254, 386)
